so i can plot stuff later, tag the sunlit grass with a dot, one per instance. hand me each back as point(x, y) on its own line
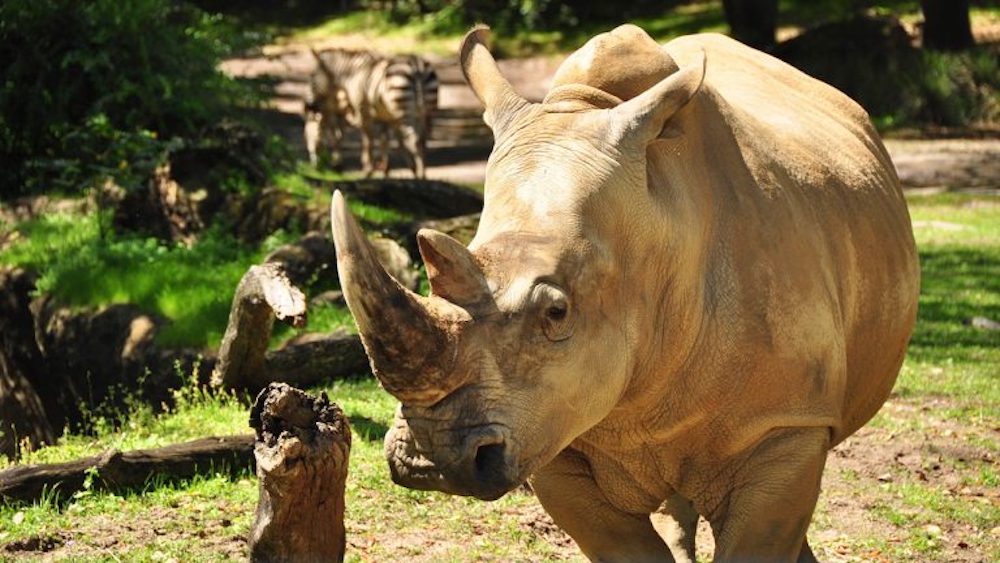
point(959, 242)
point(385, 521)
point(373, 30)
point(190, 287)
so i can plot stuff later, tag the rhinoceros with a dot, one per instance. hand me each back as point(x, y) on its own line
point(694, 275)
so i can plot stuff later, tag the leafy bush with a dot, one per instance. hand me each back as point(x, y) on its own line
point(957, 88)
point(871, 59)
point(98, 88)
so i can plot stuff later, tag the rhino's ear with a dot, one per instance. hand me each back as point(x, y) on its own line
point(647, 116)
point(451, 269)
point(483, 75)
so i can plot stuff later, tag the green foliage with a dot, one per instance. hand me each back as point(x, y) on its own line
point(92, 89)
point(956, 88)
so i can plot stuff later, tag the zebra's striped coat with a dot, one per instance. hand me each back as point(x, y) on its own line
point(375, 94)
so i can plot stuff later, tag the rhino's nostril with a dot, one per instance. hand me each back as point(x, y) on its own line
point(490, 460)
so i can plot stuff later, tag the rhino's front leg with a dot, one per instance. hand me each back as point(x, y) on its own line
point(568, 492)
point(772, 497)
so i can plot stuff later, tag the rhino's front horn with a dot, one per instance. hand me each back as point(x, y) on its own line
point(411, 340)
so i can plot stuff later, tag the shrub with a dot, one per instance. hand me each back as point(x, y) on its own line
point(957, 88)
point(98, 88)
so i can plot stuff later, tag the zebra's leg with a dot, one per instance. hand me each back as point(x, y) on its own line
point(383, 138)
point(367, 166)
point(335, 136)
point(413, 146)
point(311, 135)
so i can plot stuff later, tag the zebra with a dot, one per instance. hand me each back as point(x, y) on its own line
point(326, 104)
point(375, 94)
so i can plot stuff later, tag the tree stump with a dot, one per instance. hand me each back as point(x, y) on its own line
point(264, 292)
point(302, 450)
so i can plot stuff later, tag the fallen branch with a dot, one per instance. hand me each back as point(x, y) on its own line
point(310, 359)
point(117, 470)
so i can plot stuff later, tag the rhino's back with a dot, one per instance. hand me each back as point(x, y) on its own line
point(815, 227)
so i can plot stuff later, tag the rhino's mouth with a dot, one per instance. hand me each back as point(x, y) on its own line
point(482, 463)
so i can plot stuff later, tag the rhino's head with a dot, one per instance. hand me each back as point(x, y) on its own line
point(526, 340)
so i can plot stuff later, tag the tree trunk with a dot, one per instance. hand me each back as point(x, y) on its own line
point(302, 451)
point(118, 470)
point(24, 418)
point(946, 25)
point(752, 21)
point(264, 293)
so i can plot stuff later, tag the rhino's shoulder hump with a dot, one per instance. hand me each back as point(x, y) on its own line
point(783, 119)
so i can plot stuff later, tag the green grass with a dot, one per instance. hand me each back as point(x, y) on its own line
point(374, 30)
point(191, 287)
point(959, 243)
point(378, 215)
point(381, 517)
point(325, 318)
point(430, 34)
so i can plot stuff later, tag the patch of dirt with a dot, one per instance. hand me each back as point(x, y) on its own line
point(882, 475)
point(110, 537)
point(538, 522)
point(42, 543)
point(947, 163)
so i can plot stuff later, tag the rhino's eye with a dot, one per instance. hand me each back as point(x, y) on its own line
point(556, 312)
point(554, 307)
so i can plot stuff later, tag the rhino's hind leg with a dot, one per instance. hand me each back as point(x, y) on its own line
point(677, 521)
point(773, 492)
point(604, 533)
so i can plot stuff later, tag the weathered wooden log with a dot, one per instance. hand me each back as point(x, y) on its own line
point(422, 198)
point(117, 470)
point(462, 228)
point(302, 451)
point(313, 357)
point(306, 258)
point(264, 293)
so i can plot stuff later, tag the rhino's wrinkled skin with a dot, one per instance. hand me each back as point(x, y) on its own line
point(694, 275)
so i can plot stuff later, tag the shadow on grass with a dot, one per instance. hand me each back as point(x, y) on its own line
point(370, 430)
point(958, 283)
